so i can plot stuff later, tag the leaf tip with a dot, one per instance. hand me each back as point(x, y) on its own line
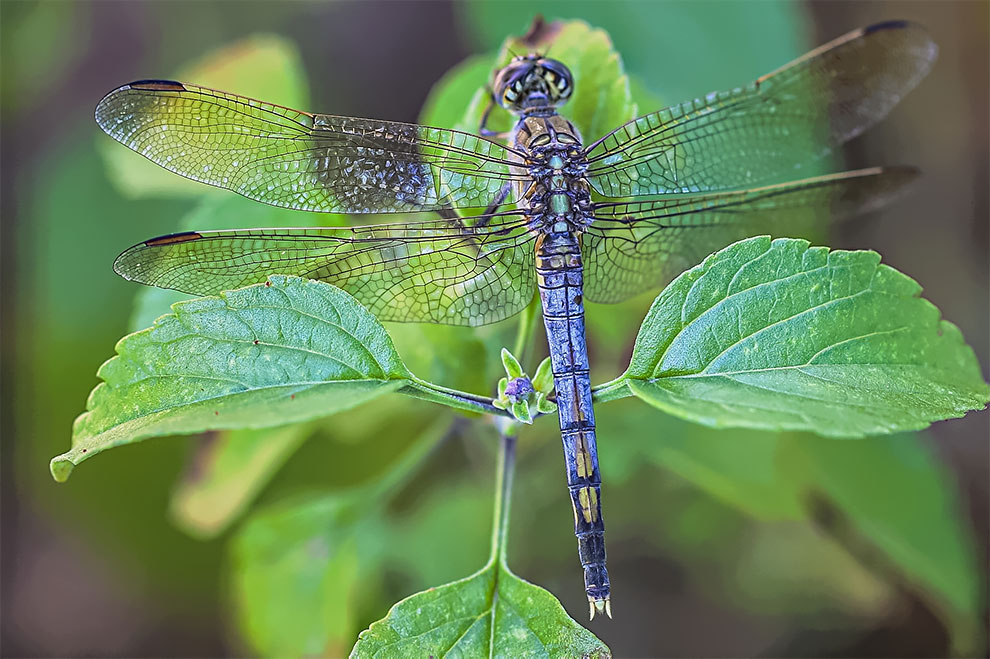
point(61, 467)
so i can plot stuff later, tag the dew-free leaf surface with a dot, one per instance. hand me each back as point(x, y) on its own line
point(492, 613)
point(778, 335)
point(266, 355)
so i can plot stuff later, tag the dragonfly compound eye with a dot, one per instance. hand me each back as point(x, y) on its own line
point(532, 82)
point(558, 79)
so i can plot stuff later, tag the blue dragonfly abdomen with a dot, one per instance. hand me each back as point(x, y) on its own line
point(560, 277)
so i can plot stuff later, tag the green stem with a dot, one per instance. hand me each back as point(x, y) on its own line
point(503, 496)
point(460, 399)
point(527, 323)
point(405, 468)
point(612, 390)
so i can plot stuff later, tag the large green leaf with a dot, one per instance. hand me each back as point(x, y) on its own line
point(492, 613)
point(682, 48)
point(779, 335)
point(235, 464)
point(266, 355)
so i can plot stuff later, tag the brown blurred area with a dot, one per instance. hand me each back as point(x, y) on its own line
point(939, 234)
point(63, 594)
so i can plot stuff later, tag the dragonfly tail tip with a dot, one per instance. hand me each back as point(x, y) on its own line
point(600, 606)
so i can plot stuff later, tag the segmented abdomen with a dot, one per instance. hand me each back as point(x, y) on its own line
point(559, 274)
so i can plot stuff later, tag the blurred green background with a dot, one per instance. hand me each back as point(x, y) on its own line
point(720, 543)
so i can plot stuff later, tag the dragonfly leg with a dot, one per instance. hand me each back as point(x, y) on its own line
point(451, 215)
point(482, 129)
point(482, 220)
point(499, 199)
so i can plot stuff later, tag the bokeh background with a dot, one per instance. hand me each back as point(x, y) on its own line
point(881, 550)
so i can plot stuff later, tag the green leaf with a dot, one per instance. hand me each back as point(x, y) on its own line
point(777, 335)
point(303, 569)
point(601, 100)
point(262, 66)
point(492, 613)
point(679, 60)
point(894, 492)
point(522, 413)
point(543, 380)
point(543, 405)
point(511, 365)
point(297, 571)
point(266, 355)
point(229, 469)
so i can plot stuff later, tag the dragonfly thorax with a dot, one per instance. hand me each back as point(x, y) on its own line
point(532, 83)
point(558, 195)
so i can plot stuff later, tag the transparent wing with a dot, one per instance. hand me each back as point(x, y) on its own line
point(766, 132)
point(637, 246)
point(299, 160)
point(416, 272)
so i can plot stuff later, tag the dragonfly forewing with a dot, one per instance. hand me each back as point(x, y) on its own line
point(305, 161)
point(771, 130)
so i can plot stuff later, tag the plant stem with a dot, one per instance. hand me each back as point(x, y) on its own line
point(459, 399)
point(527, 323)
point(453, 398)
point(503, 495)
point(612, 390)
point(402, 471)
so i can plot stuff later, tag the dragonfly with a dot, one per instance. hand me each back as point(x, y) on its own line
point(575, 222)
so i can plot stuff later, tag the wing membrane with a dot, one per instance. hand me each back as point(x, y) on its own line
point(764, 133)
point(633, 247)
point(415, 272)
point(299, 160)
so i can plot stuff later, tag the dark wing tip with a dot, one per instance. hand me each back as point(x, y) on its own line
point(128, 263)
point(173, 238)
point(156, 85)
point(926, 48)
point(104, 109)
point(888, 25)
point(892, 182)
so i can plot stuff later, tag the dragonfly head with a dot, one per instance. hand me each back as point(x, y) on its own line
point(531, 81)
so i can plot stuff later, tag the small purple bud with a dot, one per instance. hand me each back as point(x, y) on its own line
point(518, 389)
